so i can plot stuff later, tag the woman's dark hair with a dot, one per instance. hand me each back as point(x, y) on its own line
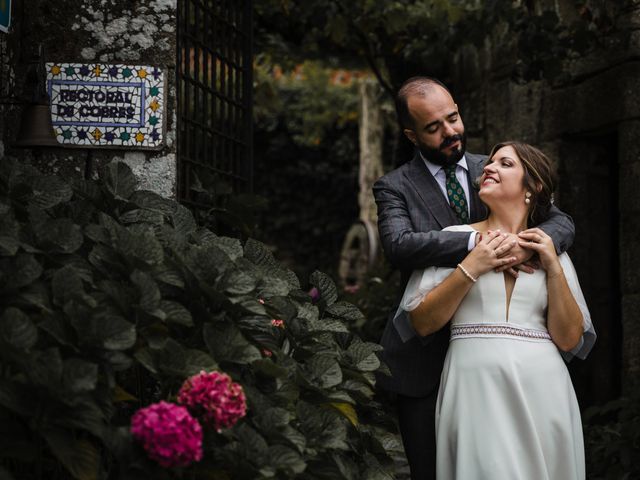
point(539, 179)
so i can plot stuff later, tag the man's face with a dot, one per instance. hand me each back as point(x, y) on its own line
point(437, 131)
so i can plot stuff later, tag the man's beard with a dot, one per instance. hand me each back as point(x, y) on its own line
point(436, 155)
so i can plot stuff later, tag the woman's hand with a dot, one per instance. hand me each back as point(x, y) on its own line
point(486, 254)
point(539, 242)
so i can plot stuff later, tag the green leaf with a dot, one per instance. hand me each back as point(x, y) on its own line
point(66, 284)
point(237, 282)
point(62, 236)
point(346, 311)
point(17, 397)
point(49, 191)
point(119, 180)
point(324, 371)
point(24, 268)
point(176, 313)
point(140, 215)
point(328, 325)
point(106, 330)
point(9, 233)
point(17, 329)
point(326, 287)
point(80, 457)
point(227, 344)
point(197, 360)
point(149, 299)
point(79, 375)
point(362, 355)
point(183, 220)
point(45, 368)
point(324, 427)
point(347, 410)
point(260, 255)
point(286, 459)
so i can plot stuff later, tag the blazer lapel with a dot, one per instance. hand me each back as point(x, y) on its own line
point(428, 189)
point(477, 210)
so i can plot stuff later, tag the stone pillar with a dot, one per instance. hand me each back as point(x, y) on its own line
point(629, 205)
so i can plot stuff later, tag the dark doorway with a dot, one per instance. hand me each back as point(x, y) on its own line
point(589, 189)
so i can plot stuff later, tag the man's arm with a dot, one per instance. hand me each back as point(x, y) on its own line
point(559, 226)
point(406, 248)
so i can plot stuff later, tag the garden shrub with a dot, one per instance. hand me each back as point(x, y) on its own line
point(112, 297)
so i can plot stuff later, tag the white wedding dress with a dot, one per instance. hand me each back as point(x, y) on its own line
point(506, 407)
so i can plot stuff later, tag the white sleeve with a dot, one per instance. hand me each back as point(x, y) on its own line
point(419, 285)
point(589, 334)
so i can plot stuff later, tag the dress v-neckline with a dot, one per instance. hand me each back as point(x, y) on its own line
point(508, 298)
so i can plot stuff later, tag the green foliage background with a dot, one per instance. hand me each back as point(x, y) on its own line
point(111, 297)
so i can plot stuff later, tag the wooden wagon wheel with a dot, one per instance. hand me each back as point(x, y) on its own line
point(358, 254)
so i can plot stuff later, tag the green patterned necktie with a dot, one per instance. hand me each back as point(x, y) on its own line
point(457, 199)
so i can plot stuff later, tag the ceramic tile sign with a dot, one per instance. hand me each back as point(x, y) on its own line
point(98, 105)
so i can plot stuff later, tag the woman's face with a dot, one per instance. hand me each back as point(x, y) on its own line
point(502, 177)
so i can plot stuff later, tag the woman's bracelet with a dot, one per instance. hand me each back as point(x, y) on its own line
point(467, 274)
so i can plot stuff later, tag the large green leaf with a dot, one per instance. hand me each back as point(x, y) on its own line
point(141, 215)
point(9, 232)
point(227, 344)
point(237, 282)
point(66, 284)
point(79, 375)
point(19, 271)
point(119, 180)
point(197, 360)
point(345, 310)
point(149, 299)
point(323, 426)
point(79, 456)
point(106, 330)
point(45, 368)
point(259, 254)
point(183, 220)
point(324, 371)
point(17, 397)
point(176, 313)
point(61, 235)
point(17, 329)
point(325, 285)
point(286, 459)
point(49, 191)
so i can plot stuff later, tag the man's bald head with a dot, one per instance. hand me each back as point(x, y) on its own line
point(415, 86)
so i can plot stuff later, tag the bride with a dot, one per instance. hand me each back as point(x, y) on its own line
point(506, 406)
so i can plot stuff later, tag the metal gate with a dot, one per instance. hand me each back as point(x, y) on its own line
point(214, 96)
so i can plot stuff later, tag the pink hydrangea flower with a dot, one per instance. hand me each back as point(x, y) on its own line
point(214, 396)
point(168, 433)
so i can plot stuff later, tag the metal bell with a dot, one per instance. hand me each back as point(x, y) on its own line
point(36, 129)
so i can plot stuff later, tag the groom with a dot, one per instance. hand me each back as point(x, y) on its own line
point(415, 202)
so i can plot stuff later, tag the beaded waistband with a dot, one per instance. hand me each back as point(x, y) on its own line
point(469, 330)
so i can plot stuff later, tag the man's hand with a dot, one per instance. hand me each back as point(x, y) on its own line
point(522, 256)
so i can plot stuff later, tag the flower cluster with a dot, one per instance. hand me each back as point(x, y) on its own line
point(168, 433)
point(214, 396)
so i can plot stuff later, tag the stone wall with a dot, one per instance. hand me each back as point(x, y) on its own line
point(138, 32)
point(590, 123)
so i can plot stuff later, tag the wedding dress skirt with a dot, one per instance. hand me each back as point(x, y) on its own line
point(506, 406)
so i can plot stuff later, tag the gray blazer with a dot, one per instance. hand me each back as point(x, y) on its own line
point(411, 212)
